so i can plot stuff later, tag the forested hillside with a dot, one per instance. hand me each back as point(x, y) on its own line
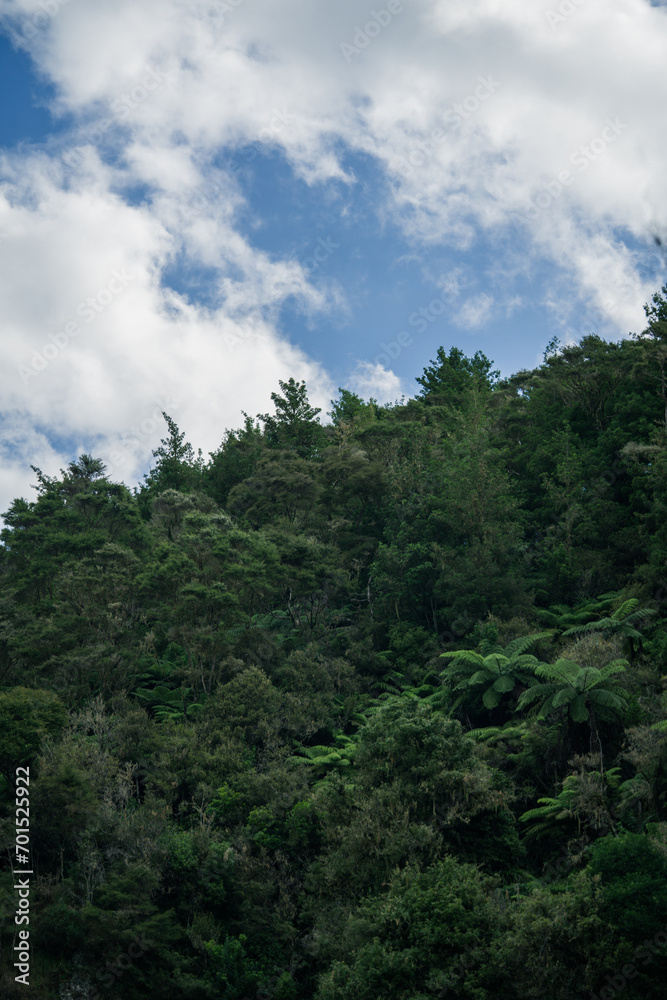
point(368, 709)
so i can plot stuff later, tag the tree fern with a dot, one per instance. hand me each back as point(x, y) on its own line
point(621, 623)
point(494, 672)
point(583, 693)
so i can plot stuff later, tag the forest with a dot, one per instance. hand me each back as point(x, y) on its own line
point(371, 707)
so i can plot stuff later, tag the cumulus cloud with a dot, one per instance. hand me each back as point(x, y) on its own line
point(485, 117)
point(374, 381)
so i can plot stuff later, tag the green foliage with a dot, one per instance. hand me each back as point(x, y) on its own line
point(584, 694)
point(633, 874)
point(447, 378)
point(294, 425)
point(27, 718)
point(227, 687)
point(321, 760)
point(494, 671)
point(553, 942)
point(583, 799)
point(177, 467)
point(426, 934)
point(233, 974)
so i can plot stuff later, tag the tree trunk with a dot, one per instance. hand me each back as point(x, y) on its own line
point(595, 735)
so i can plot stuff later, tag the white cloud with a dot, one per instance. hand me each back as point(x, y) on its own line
point(475, 312)
point(470, 109)
point(372, 380)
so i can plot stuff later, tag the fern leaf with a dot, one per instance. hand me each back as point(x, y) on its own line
point(480, 677)
point(625, 609)
point(520, 645)
point(491, 698)
point(609, 699)
point(578, 709)
point(504, 683)
point(465, 656)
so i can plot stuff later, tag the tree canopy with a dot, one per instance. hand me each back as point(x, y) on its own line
point(371, 707)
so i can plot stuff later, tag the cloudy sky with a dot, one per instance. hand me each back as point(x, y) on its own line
point(199, 198)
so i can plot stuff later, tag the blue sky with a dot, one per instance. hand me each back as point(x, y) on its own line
point(198, 199)
point(25, 106)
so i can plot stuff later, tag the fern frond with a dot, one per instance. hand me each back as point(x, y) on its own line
point(465, 656)
point(480, 677)
point(578, 709)
point(609, 699)
point(520, 645)
point(540, 812)
point(487, 646)
point(561, 670)
point(583, 629)
point(504, 684)
point(491, 699)
point(535, 693)
point(562, 697)
point(463, 653)
point(626, 607)
point(491, 732)
point(615, 667)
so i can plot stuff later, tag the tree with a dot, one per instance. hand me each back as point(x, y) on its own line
point(631, 870)
point(583, 802)
point(71, 519)
point(235, 460)
point(27, 717)
point(428, 934)
point(347, 407)
point(621, 623)
point(588, 374)
point(417, 787)
point(583, 693)
point(177, 467)
point(294, 425)
point(653, 363)
point(493, 671)
point(282, 489)
point(447, 379)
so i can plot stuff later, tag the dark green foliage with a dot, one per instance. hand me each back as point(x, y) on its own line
point(294, 425)
point(447, 379)
point(245, 751)
point(426, 935)
point(27, 718)
point(177, 467)
point(633, 874)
